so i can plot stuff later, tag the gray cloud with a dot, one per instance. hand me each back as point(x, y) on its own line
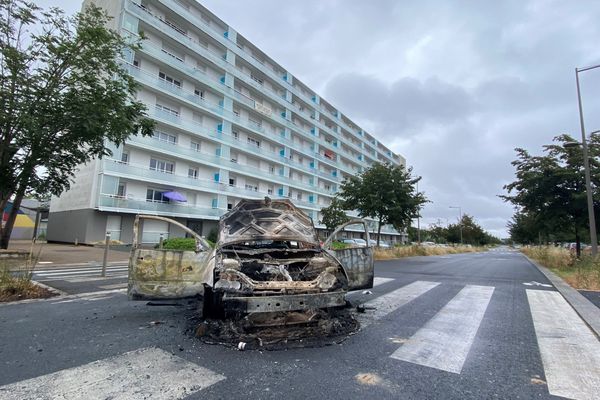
point(453, 86)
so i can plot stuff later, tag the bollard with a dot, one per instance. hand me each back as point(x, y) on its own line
point(160, 242)
point(105, 259)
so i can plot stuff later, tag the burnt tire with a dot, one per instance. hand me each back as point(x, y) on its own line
point(212, 304)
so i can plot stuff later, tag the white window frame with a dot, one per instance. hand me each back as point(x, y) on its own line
point(167, 167)
point(165, 137)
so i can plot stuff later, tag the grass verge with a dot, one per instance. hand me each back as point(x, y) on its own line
point(16, 283)
point(581, 273)
point(413, 251)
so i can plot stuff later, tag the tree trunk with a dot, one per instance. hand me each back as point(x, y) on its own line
point(12, 217)
point(577, 243)
point(378, 231)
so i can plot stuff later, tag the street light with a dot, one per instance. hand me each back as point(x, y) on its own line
point(459, 221)
point(586, 165)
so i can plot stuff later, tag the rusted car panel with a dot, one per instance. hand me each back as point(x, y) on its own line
point(267, 259)
point(168, 274)
point(254, 220)
point(357, 261)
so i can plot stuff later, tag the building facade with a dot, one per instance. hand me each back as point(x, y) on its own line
point(231, 123)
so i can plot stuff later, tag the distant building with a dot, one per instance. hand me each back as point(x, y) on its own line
point(231, 123)
point(25, 225)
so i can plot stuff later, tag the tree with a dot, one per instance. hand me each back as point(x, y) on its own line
point(384, 192)
point(524, 228)
point(63, 97)
point(334, 215)
point(472, 233)
point(551, 187)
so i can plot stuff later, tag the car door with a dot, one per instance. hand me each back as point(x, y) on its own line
point(356, 260)
point(168, 274)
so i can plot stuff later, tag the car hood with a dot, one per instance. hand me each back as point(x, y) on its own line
point(255, 220)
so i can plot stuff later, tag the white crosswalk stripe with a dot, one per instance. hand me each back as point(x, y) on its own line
point(444, 342)
point(80, 273)
point(570, 351)
point(140, 374)
point(383, 305)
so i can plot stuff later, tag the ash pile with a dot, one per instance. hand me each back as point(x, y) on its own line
point(279, 330)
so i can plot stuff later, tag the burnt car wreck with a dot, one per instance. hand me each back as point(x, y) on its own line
point(267, 262)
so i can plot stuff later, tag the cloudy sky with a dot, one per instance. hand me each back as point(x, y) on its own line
point(452, 86)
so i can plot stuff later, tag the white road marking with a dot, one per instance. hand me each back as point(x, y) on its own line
point(534, 283)
point(78, 271)
point(391, 301)
point(45, 262)
point(445, 340)
point(380, 281)
point(570, 351)
point(140, 374)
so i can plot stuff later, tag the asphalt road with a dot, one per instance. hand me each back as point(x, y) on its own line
point(453, 327)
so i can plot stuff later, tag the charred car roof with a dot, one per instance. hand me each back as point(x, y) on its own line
point(256, 220)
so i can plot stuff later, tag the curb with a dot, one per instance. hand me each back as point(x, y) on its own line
point(582, 306)
point(54, 290)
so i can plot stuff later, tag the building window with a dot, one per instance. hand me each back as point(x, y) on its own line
point(125, 158)
point(136, 63)
point(255, 122)
point(193, 173)
point(121, 190)
point(165, 137)
point(171, 53)
point(229, 206)
point(162, 166)
point(236, 112)
point(256, 79)
point(327, 186)
point(270, 191)
point(169, 79)
point(166, 109)
point(235, 134)
point(299, 196)
point(234, 159)
point(156, 195)
point(231, 181)
point(251, 187)
point(254, 142)
point(195, 146)
point(199, 93)
point(174, 26)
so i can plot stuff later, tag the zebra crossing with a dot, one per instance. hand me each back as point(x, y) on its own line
point(80, 273)
point(569, 350)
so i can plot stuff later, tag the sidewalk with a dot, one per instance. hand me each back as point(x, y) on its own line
point(53, 254)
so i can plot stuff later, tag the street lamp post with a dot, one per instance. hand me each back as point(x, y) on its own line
point(586, 165)
point(459, 222)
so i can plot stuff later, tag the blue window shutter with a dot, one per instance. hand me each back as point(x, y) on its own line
point(222, 79)
point(334, 172)
point(226, 34)
point(312, 130)
point(314, 99)
point(218, 152)
point(281, 171)
point(215, 203)
point(312, 164)
point(282, 133)
point(311, 199)
point(216, 176)
point(282, 152)
point(220, 127)
point(283, 114)
point(280, 191)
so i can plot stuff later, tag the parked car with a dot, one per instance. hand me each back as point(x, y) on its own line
point(355, 242)
point(382, 244)
point(267, 258)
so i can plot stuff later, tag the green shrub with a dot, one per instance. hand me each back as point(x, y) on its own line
point(212, 236)
point(338, 245)
point(188, 244)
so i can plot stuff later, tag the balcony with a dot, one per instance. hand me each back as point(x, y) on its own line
point(108, 202)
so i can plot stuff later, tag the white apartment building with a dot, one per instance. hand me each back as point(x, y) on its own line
point(231, 123)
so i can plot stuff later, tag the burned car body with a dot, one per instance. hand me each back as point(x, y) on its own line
point(268, 258)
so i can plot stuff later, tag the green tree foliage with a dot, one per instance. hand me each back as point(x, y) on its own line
point(551, 189)
point(63, 97)
point(524, 228)
point(473, 233)
point(334, 215)
point(385, 193)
